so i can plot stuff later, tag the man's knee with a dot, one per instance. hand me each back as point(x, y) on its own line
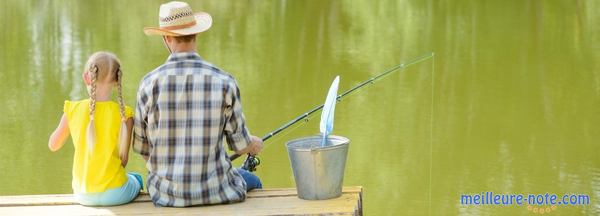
point(252, 180)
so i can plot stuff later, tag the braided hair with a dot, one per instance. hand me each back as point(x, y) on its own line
point(104, 67)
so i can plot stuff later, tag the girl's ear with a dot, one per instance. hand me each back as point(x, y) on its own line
point(86, 78)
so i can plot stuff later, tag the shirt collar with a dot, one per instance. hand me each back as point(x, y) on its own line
point(180, 56)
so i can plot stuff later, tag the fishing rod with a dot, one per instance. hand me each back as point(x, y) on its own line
point(252, 161)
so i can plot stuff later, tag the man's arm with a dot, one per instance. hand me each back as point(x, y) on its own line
point(140, 123)
point(238, 138)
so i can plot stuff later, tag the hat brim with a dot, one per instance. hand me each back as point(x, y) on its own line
point(203, 23)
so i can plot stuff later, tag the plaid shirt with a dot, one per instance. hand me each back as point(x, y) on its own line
point(184, 109)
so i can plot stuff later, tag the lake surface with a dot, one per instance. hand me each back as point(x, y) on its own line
point(510, 103)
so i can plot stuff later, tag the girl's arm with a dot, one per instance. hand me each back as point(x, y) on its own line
point(60, 134)
point(124, 154)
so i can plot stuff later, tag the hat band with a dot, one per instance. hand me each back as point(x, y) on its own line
point(176, 27)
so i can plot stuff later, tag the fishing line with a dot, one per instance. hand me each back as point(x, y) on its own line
point(251, 160)
point(431, 122)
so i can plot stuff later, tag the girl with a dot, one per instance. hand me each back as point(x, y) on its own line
point(97, 124)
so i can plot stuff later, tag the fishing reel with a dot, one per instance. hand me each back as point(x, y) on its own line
point(250, 163)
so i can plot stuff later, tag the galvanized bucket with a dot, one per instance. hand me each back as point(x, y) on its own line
point(318, 171)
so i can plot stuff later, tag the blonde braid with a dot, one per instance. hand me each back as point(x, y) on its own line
point(123, 141)
point(91, 129)
point(94, 76)
point(120, 93)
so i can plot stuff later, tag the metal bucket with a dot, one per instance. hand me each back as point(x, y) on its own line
point(318, 171)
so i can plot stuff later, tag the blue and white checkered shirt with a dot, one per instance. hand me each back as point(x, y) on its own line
point(184, 109)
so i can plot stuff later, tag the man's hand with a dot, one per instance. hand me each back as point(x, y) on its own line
point(255, 146)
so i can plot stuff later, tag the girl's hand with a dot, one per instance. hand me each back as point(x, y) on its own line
point(124, 158)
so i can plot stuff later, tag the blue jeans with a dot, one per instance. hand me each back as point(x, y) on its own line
point(252, 181)
point(115, 196)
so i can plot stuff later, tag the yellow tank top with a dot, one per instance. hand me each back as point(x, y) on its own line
point(100, 170)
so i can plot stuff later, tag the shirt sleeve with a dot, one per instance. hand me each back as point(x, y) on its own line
point(67, 108)
point(128, 112)
point(140, 123)
point(236, 133)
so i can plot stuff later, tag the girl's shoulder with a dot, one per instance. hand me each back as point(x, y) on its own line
point(84, 106)
point(69, 106)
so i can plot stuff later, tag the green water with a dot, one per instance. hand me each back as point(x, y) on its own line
point(510, 104)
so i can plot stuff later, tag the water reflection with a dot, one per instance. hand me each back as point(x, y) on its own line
point(515, 104)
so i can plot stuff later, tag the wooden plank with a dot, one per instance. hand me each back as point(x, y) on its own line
point(259, 202)
point(68, 199)
point(51, 199)
point(272, 206)
point(263, 193)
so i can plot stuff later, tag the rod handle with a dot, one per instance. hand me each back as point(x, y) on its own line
point(234, 156)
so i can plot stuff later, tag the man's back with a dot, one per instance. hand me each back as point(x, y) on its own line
point(184, 109)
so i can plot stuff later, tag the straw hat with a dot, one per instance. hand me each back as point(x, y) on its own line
point(177, 19)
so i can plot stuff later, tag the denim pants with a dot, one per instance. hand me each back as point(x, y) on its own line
point(252, 181)
point(115, 196)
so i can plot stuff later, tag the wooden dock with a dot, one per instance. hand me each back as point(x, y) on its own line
point(282, 201)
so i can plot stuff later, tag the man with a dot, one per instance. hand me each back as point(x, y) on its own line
point(185, 108)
